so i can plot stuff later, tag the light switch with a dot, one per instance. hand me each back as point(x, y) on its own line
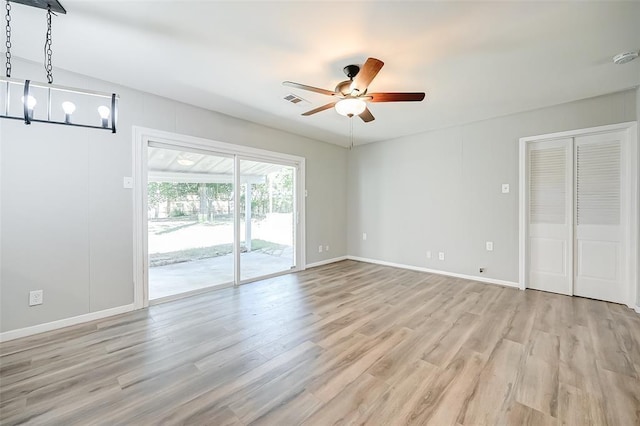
point(489, 245)
point(127, 182)
point(505, 188)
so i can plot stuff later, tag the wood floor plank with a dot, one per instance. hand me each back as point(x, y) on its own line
point(451, 340)
point(578, 361)
point(622, 403)
point(469, 365)
point(538, 384)
point(607, 345)
point(224, 417)
point(523, 415)
point(352, 404)
point(394, 406)
point(328, 385)
point(292, 412)
point(494, 391)
point(408, 351)
point(434, 391)
point(578, 407)
point(519, 327)
point(209, 396)
point(549, 313)
point(346, 343)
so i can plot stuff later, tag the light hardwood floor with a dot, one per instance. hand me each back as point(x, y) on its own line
point(344, 343)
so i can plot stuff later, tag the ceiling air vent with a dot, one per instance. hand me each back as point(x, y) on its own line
point(625, 57)
point(295, 99)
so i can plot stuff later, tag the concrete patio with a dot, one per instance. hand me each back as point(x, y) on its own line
point(169, 280)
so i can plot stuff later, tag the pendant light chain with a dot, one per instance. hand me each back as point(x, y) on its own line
point(8, 39)
point(47, 49)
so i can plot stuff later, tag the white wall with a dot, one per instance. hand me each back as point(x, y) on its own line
point(66, 221)
point(441, 190)
point(638, 119)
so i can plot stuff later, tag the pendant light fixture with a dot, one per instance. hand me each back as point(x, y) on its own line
point(35, 102)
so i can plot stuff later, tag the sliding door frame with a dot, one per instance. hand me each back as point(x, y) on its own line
point(630, 189)
point(141, 138)
point(298, 200)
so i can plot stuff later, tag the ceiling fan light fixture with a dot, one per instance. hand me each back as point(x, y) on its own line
point(350, 107)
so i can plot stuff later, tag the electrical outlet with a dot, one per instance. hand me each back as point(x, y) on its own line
point(320, 249)
point(364, 236)
point(489, 245)
point(428, 254)
point(127, 182)
point(326, 248)
point(35, 297)
point(505, 188)
point(441, 255)
point(481, 270)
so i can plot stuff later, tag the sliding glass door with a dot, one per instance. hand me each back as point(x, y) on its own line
point(189, 220)
point(202, 232)
point(267, 225)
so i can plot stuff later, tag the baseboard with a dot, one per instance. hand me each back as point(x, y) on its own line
point(435, 271)
point(66, 322)
point(326, 261)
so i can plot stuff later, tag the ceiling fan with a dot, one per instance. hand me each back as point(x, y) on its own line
point(351, 95)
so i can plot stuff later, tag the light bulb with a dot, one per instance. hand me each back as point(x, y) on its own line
point(68, 108)
point(104, 112)
point(350, 107)
point(31, 102)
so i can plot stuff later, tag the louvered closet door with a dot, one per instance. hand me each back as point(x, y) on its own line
point(550, 215)
point(599, 234)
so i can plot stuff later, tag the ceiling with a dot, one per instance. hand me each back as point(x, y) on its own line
point(475, 60)
point(171, 165)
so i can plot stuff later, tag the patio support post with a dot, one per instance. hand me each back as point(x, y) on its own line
point(247, 216)
point(270, 194)
point(204, 203)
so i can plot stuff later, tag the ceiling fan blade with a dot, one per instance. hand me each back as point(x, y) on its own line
point(322, 108)
point(367, 73)
point(367, 116)
point(309, 88)
point(397, 97)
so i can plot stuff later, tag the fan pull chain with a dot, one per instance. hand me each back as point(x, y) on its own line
point(350, 133)
point(8, 40)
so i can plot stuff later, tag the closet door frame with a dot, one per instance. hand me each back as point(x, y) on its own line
point(630, 188)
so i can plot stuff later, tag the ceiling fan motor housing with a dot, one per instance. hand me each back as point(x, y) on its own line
point(344, 87)
point(351, 70)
